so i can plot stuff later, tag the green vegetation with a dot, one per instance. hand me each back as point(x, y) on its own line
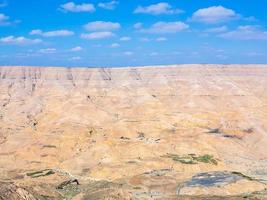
point(41, 197)
point(192, 158)
point(137, 188)
point(36, 174)
point(215, 131)
point(69, 192)
point(182, 159)
point(206, 159)
point(68, 189)
point(66, 183)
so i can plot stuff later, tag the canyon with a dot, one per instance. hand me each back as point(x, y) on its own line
point(155, 132)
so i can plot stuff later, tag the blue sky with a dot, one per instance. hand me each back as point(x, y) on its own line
point(130, 33)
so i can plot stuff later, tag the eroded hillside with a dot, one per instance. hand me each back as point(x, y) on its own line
point(170, 132)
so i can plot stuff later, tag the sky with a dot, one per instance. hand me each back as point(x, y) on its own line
point(116, 33)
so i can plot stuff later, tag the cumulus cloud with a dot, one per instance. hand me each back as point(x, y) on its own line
point(144, 39)
point(245, 33)
point(114, 45)
point(221, 57)
point(57, 33)
point(47, 50)
point(138, 25)
point(4, 19)
point(166, 27)
point(161, 39)
point(102, 26)
point(154, 54)
point(97, 35)
point(157, 9)
point(128, 53)
point(125, 39)
point(108, 5)
point(26, 55)
point(97, 45)
point(76, 49)
point(217, 29)
point(72, 7)
point(214, 14)
point(253, 54)
point(19, 40)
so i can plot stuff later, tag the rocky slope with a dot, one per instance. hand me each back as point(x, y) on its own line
point(169, 132)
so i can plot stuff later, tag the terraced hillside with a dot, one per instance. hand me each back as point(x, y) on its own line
point(169, 132)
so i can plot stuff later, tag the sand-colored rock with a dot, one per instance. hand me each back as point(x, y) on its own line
point(118, 125)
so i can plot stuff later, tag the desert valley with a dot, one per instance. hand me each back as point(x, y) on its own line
point(166, 132)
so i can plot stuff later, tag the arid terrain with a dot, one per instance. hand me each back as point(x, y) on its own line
point(167, 132)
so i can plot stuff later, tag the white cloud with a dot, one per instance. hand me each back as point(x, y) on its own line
point(57, 33)
point(214, 14)
point(26, 55)
point(166, 27)
point(245, 33)
point(47, 51)
point(125, 39)
point(4, 20)
point(252, 54)
point(128, 53)
point(250, 19)
point(221, 57)
point(36, 32)
point(217, 29)
point(102, 26)
point(97, 35)
point(76, 49)
point(108, 5)
point(157, 9)
point(194, 53)
point(72, 7)
point(114, 45)
point(3, 17)
point(144, 39)
point(19, 40)
point(97, 45)
point(138, 25)
point(161, 39)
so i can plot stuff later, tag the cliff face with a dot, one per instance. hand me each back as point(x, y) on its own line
point(148, 131)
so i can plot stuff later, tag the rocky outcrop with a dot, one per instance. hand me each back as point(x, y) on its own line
point(13, 192)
